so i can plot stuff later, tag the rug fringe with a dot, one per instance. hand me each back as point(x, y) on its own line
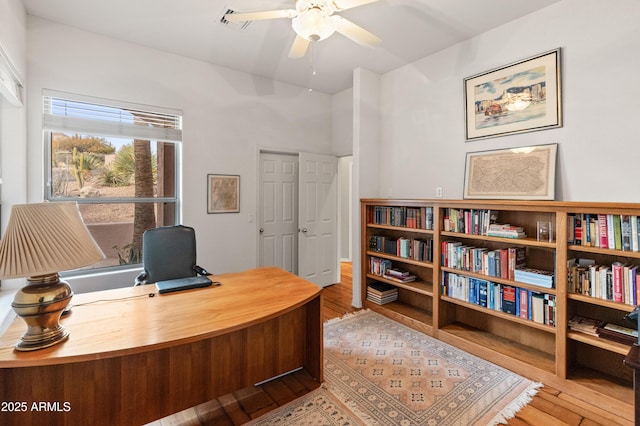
point(347, 315)
point(518, 404)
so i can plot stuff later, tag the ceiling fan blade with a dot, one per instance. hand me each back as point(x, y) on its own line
point(299, 47)
point(258, 16)
point(356, 32)
point(341, 5)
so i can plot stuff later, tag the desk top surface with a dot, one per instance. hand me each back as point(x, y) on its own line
point(127, 320)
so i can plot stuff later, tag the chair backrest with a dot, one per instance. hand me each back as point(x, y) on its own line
point(169, 252)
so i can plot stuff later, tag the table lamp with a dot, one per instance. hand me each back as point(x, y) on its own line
point(42, 239)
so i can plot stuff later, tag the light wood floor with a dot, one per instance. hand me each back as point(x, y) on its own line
point(548, 407)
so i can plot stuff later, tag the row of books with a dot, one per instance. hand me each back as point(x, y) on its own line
point(468, 221)
point(384, 268)
point(617, 282)
point(407, 217)
point(378, 266)
point(416, 249)
point(609, 331)
point(381, 293)
point(500, 263)
point(613, 231)
point(531, 305)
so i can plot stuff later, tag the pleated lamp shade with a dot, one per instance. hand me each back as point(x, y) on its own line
point(45, 238)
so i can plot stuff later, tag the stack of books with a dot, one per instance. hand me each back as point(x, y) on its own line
point(625, 335)
point(534, 277)
point(506, 231)
point(395, 274)
point(585, 325)
point(381, 293)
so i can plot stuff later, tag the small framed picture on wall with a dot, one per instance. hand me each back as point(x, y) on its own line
point(223, 193)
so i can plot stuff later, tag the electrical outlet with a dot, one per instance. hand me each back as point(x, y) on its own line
point(439, 192)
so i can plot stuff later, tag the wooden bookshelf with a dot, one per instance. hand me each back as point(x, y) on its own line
point(590, 366)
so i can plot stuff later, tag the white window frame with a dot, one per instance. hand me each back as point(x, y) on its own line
point(104, 125)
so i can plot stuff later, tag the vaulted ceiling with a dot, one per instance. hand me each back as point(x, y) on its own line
point(409, 29)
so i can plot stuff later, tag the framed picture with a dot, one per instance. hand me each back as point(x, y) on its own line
point(223, 193)
point(519, 97)
point(527, 173)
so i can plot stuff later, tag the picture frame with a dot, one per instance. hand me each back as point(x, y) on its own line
point(526, 173)
point(223, 193)
point(523, 96)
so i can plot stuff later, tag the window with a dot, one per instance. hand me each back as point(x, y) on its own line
point(119, 162)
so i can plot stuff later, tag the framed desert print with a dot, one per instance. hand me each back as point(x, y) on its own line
point(223, 193)
point(520, 97)
point(526, 173)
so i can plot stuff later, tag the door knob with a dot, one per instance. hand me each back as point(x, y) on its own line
point(261, 230)
point(303, 230)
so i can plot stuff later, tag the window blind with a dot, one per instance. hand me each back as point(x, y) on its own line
point(96, 116)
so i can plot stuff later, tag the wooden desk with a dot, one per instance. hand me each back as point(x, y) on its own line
point(131, 358)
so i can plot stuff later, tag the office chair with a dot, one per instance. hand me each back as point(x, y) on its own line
point(168, 252)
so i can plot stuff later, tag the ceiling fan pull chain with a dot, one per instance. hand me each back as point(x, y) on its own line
point(313, 66)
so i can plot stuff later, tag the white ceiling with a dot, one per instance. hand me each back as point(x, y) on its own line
point(409, 29)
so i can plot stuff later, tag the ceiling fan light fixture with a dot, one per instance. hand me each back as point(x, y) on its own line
point(314, 24)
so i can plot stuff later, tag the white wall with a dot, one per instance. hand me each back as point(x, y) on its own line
point(366, 158)
point(342, 123)
point(422, 123)
point(228, 117)
point(13, 134)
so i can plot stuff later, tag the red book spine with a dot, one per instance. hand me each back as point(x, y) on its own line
point(602, 231)
point(504, 263)
point(617, 281)
point(524, 304)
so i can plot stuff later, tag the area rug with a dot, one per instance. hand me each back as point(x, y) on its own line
point(390, 374)
point(318, 407)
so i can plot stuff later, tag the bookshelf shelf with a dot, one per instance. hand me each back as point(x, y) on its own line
point(400, 259)
point(415, 286)
point(607, 345)
point(528, 241)
point(605, 251)
point(401, 228)
point(504, 316)
point(406, 314)
point(603, 384)
point(501, 280)
point(600, 302)
point(470, 338)
point(553, 354)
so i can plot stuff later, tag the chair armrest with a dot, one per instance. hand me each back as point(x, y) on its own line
point(200, 270)
point(141, 279)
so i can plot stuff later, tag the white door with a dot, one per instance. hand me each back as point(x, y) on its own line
point(317, 223)
point(278, 210)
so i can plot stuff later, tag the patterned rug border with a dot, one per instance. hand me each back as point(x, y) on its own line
point(501, 417)
point(321, 399)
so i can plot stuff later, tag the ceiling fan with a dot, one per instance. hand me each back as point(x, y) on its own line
point(314, 20)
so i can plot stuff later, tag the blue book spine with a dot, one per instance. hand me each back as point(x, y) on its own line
point(473, 291)
point(491, 304)
point(483, 289)
point(492, 264)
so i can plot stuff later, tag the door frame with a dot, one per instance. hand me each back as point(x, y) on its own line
point(260, 150)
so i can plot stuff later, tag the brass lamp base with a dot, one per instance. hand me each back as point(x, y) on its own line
point(40, 304)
